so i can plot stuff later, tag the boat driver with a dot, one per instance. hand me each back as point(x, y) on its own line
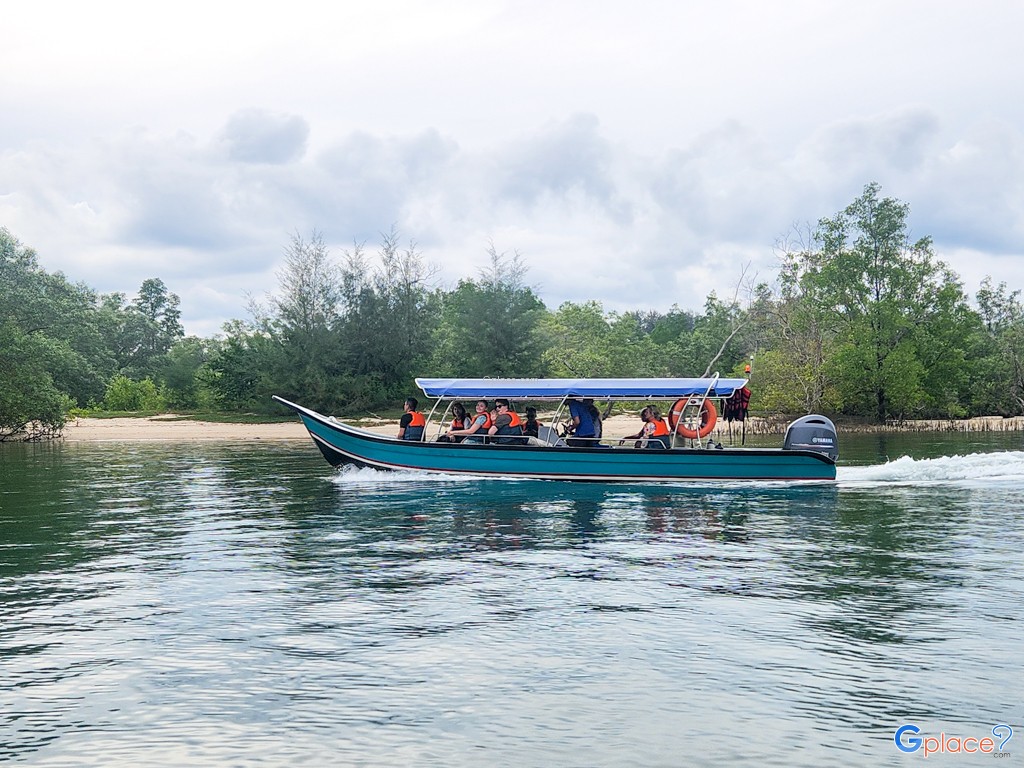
point(582, 424)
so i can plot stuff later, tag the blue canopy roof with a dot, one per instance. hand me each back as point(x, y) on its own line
point(556, 389)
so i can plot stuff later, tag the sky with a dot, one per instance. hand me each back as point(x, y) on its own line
point(639, 154)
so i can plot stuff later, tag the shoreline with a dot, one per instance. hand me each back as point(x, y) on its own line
point(172, 428)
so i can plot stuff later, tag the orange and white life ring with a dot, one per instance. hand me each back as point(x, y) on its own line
point(708, 417)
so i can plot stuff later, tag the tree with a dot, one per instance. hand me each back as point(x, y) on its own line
point(866, 305)
point(31, 406)
point(712, 345)
point(160, 307)
point(183, 371)
point(798, 329)
point(390, 313)
point(244, 370)
point(51, 354)
point(342, 338)
point(1002, 317)
point(140, 333)
point(302, 325)
point(576, 340)
point(491, 326)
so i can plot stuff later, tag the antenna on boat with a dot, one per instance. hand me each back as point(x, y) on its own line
point(743, 429)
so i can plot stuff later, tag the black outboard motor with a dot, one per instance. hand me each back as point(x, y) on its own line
point(813, 433)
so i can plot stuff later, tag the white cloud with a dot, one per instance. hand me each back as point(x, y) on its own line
point(258, 136)
point(639, 157)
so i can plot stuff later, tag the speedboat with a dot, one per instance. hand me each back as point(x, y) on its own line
point(808, 453)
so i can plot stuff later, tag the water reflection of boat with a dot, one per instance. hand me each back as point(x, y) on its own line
point(809, 450)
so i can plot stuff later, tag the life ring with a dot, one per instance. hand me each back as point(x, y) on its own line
point(708, 418)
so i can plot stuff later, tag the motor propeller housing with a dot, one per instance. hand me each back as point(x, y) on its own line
point(813, 433)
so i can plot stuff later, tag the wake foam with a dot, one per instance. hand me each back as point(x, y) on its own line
point(366, 476)
point(975, 468)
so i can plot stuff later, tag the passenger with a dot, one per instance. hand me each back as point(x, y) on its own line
point(507, 427)
point(654, 433)
point(582, 424)
point(531, 427)
point(661, 433)
point(459, 421)
point(411, 425)
point(478, 425)
point(595, 416)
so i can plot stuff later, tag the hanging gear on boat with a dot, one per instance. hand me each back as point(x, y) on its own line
point(737, 406)
point(708, 417)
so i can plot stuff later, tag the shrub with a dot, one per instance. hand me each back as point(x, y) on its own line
point(123, 394)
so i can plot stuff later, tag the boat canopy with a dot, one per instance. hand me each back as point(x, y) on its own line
point(559, 389)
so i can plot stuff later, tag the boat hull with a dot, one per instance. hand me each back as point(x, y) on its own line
point(342, 444)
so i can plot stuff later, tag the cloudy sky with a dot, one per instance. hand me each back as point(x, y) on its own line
point(635, 153)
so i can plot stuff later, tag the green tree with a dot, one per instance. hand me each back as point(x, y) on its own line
point(631, 349)
point(341, 338)
point(798, 330)
point(124, 394)
point(715, 343)
point(242, 370)
point(492, 326)
point(885, 289)
point(576, 340)
point(52, 353)
point(874, 314)
point(31, 406)
point(673, 326)
point(390, 316)
point(1000, 383)
point(184, 372)
point(582, 341)
point(303, 323)
point(140, 333)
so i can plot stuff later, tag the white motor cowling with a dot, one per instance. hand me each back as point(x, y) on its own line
point(813, 433)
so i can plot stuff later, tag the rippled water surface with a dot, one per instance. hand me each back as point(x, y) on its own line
point(223, 604)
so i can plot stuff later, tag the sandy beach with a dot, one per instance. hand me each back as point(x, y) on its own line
point(170, 427)
point(173, 428)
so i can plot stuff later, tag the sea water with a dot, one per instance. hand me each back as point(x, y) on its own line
point(245, 604)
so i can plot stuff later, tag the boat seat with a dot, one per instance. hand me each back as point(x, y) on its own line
point(547, 436)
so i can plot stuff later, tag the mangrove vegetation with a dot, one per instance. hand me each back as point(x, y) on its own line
point(862, 323)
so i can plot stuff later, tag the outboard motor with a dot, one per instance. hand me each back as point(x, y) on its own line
point(813, 433)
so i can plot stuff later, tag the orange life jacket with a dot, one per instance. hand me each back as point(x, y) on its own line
point(414, 429)
point(511, 433)
point(660, 427)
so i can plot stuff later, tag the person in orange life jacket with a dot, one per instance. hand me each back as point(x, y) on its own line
point(459, 421)
point(478, 426)
point(531, 427)
point(507, 427)
point(410, 426)
point(654, 431)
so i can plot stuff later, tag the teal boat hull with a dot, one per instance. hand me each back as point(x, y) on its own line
point(342, 444)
